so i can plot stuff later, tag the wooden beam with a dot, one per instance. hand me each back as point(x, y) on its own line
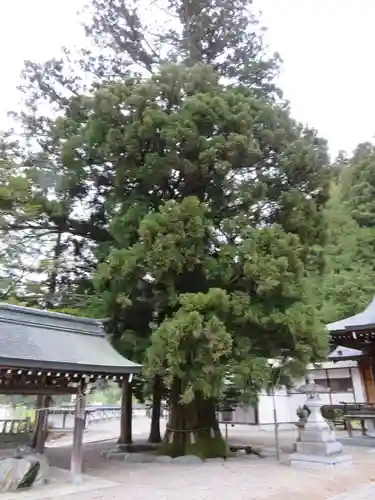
point(24, 374)
point(37, 390)
point(125, 439)
point(79, 427)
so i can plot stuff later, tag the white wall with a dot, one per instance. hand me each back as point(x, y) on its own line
point(286, 407)
point(244, 415)
point(288, 403)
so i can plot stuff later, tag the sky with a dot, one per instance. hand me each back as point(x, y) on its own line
point(327, 47)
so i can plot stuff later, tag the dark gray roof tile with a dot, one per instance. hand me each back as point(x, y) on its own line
point(31, 338)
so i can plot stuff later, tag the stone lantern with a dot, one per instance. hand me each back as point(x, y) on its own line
point(317, 446)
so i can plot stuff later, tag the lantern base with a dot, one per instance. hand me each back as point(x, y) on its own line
point(319, 448)
point(313, 462)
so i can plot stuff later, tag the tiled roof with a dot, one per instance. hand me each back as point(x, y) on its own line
point(31, 338)
point(359, 321)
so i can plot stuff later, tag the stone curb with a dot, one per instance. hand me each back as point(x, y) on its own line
point(140, 458)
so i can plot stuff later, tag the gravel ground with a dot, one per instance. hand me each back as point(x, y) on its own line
point(242, 478)
point(365, 493)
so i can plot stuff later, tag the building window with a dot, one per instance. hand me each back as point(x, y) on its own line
point(341, 384)
point(322, 381)
point(336, 384)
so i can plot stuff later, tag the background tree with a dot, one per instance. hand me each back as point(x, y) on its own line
point(347, 285)
point(357, 185)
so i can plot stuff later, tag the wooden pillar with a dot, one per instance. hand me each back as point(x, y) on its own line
point(40, 423)
point(328, 386)
point(125, 439)
point(79, 427)
point(368, 379)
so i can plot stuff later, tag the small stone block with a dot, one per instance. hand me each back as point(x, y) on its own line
point(188, 460)
point(139, 458)
point(116, 455)
point(163, 459)
point(217, 460)
point(240, 452)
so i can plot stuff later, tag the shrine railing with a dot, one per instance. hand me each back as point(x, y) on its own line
point(63, 418)
point(14, 430)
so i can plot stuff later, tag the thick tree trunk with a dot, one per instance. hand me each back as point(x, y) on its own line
point(193, 429)
point(155, 436)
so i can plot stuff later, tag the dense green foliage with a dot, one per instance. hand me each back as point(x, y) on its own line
point(347, 282)
point(347, 286)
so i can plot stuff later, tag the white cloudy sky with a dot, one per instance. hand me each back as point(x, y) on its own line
point(326, 45)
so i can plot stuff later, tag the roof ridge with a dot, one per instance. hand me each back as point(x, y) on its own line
point(52, 326)
point(20, 315)
point(4, 306)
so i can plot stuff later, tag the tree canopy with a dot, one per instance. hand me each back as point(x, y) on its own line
point(225, 34)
